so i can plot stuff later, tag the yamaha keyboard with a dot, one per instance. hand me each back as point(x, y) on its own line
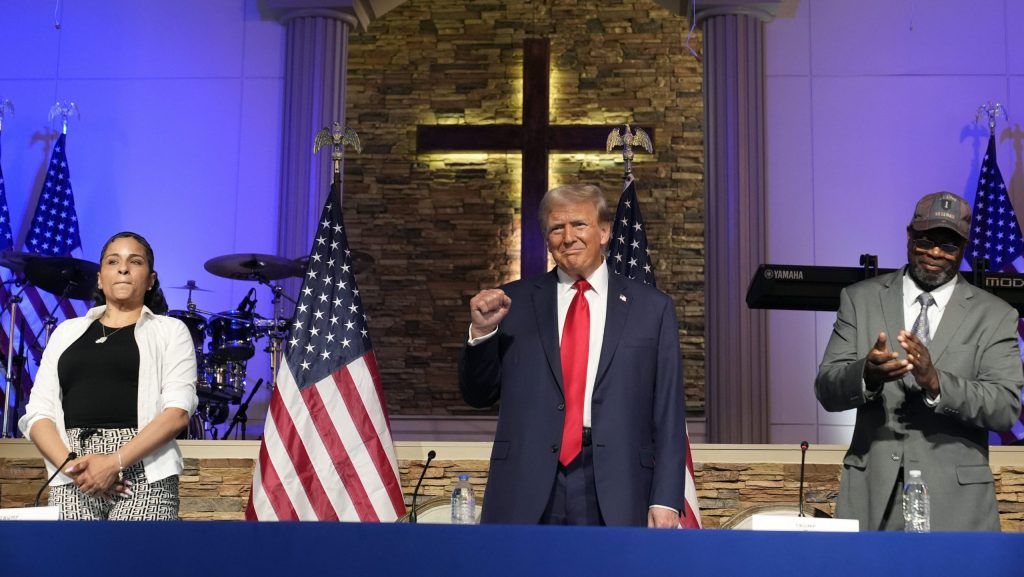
point(817, 288)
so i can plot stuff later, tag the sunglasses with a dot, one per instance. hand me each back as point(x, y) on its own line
point(926, 245)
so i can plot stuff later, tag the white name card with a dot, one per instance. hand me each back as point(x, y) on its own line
point(766, 522)
point(30, 514)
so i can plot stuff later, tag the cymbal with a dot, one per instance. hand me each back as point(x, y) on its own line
point(252, 266)
point(361, 262)
point(15, 260)
point(191, 286)
point(63, 276)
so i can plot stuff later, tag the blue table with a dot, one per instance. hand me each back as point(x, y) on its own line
point(198, 548)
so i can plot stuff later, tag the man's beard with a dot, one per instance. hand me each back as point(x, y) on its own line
point(929, 280)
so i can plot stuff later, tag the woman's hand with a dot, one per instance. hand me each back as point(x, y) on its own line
point(94, 475)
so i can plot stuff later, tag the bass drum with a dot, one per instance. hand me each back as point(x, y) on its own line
point(196, 324)
point(232, 336)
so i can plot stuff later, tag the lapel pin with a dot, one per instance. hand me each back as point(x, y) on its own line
point(623, 298)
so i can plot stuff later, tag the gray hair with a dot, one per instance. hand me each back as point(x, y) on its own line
point(573, 194)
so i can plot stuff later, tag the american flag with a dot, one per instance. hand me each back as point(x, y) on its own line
point(995, 232)
point(54, 232)
point(6, 238)
point(628, 255)
point(327, 452)
point(995, 235)
point(54, 229)
point(6, 242)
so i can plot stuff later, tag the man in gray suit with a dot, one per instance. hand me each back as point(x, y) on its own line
point(927, 398)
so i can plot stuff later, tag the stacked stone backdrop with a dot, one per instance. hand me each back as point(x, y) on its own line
point(218, 489)
point(443, 226)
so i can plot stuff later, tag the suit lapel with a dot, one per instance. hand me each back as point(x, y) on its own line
point(952, 318)
point(892, 309)
point(545, 310)
point(615, 320)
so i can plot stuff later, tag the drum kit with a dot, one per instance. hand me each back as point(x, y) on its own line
point(221, 363)
point(224, 341)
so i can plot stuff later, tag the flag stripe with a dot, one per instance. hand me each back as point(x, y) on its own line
point(270, 504)
point(308, 457)
point(358, 388)
point(336, 466)
point(283, 462)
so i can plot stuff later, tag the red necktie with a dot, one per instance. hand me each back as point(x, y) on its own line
point(575, 344)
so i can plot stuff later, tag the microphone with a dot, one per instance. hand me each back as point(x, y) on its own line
point(248, 303)
point(803, 456)
point(71, 457)
point(416, 491)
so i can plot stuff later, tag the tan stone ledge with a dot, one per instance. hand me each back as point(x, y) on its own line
point(473, 451)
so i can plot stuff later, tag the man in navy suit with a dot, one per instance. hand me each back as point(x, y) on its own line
point(591, 429)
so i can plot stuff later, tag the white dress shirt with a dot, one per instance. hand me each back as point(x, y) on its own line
point(597, 300)
point(912, 308)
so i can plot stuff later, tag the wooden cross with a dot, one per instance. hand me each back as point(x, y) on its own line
point(535, 138)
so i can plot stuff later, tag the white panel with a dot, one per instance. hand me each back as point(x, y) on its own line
point(1010, 137)
point(788, 156)
point(264, 44)
point(793, 435)
point(127, 38)
point(835, 435)
point(27, 143)
point(791, 368)
point(908, 37)
point(882, 143)
point(786, 41)
point(29, 43)
point(1014, 39)
point(172, 181)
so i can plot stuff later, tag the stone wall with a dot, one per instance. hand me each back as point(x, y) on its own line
point(442, 226)
point(219, 488)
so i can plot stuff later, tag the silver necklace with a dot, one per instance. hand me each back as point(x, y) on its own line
point(105, 336)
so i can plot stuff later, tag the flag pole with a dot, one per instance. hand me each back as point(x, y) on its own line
point(62, 110)
point(979, 264)
point(6, 106)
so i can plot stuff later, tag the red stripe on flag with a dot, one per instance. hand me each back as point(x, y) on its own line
point(292, 440)
point(368, 432)
point(326, 432)
point(278, 499)
point(30, 337)
point(68, 308)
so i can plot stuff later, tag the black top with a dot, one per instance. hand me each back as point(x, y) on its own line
point(100, 381)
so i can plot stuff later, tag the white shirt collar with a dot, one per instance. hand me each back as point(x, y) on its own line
point(598, 280)
point(941, 295)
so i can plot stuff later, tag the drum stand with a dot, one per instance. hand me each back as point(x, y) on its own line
point(240, 414)
point(12, 377)
point(277, 336)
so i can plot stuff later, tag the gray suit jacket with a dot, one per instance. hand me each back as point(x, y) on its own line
point(976, 354)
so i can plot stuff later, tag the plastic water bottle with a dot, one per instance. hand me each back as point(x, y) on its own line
point(463, 502)
point(916, 508)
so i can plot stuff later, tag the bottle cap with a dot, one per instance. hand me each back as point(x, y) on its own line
point(466, 477)
point(915, 473)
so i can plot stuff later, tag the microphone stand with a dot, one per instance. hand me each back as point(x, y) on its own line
point(803, 456)
point(71, 457)
point(415, 492)
point(240, 415)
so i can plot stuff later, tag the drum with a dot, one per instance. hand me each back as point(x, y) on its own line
point(224, 381)
point(232, 336)
point(196, 324)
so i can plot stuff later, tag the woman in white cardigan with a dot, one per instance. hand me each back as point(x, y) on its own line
point(116, 387)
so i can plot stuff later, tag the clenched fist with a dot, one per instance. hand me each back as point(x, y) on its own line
point(486, 310)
